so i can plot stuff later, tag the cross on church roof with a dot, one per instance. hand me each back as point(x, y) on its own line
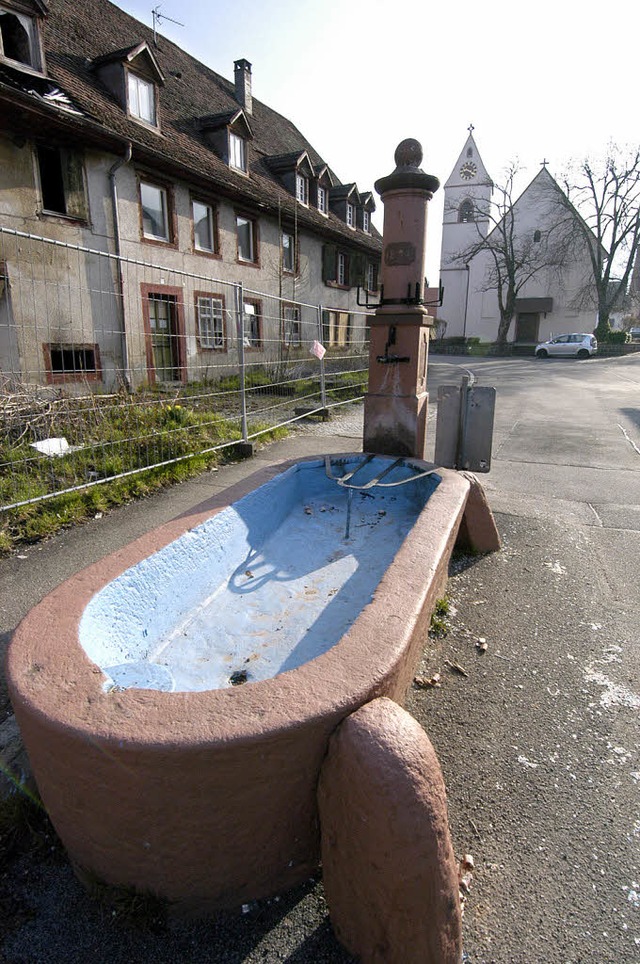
point(470, 128)
point(544, 162)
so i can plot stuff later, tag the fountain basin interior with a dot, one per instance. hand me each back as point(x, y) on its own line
point(160, 774)
point(262, 587)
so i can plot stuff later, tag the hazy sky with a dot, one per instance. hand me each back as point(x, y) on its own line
point(550, 80)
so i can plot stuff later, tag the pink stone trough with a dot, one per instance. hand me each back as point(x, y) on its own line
point(167, 780)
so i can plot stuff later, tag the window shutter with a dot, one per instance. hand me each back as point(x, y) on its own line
point(73, 179)
point(329, 262)
point(358, 268)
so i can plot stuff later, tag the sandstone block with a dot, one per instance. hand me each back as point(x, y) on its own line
point(390, 874)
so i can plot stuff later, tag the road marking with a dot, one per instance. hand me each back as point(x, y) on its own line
point(629, 440)
point(595, 513)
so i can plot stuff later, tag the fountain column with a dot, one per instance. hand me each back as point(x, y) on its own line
point(395, 406)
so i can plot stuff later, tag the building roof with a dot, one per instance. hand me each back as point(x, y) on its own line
point(79, 33)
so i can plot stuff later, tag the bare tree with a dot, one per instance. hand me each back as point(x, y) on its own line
point(514, 256)
point(601, 202)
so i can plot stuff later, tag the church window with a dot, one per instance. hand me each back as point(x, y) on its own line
point(465, 212)
point(537, 235)
point(469, 152)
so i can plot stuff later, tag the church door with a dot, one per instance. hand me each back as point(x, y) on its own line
point(527, 324)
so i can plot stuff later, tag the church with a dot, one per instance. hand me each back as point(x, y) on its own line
point(553, 285)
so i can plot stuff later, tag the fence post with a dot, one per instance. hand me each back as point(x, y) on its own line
point(323, 381)
point(239, 308)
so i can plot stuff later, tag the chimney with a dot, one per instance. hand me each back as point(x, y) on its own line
point(242, 75)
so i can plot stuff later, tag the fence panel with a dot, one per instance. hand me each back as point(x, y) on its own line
point(110, 365)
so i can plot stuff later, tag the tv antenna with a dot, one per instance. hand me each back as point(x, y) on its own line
point(158, 18)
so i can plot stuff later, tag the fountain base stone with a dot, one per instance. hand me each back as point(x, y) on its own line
point(207, 798)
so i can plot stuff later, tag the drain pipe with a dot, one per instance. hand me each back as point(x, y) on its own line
point(113, 170)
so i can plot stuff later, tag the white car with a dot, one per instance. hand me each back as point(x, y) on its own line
point(577, 345)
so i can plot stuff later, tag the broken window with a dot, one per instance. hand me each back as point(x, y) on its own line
point(18, 38)
point(62, 182)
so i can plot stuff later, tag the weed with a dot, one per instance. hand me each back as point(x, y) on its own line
point(439, 619)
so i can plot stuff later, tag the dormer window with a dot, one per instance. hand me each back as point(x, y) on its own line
point(366, 223)
point(134, 77)
point(302, 189)
point(141, 98)
point(237, 152)
point(322, 200)
point(351, 215)
point(19, 39)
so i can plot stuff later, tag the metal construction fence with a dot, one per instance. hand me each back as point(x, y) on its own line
point(110, 365)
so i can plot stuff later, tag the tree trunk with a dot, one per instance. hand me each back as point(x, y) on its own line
point(503, 328)
point(603, 328)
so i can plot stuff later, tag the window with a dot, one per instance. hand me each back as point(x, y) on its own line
point(237, 152)
point(465, 212)
point(302, 189)
point(351, 215)
point(292, 335)
point(288, 253)
point(246, 230)
point(72, 362)
point(372, 277)
point(322, 200)
point(142, 98)
point(204, 227)
point(155, 212)
point(343, 268)
point(210, 320)
point(469, 152)
point(537, 236)
point(62, 182)
point(337, 329)
point(366, 222)
point(251, 324)
point(18, 38)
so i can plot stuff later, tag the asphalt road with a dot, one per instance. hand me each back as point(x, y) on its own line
point(538, 743)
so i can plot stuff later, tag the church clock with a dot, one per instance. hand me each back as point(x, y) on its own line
point(468, 171)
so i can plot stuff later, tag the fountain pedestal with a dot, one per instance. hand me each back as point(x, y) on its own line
point(395, 413)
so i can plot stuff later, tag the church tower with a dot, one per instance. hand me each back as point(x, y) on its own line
point(467, 195)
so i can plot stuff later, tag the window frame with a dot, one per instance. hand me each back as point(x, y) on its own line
point(342, 268)
point(48, 211)
point(169, 212)
point(466, 205)
point(255, 240)
point(293, 248)
point(350, 215)
point(131, 75)
point(73, 375)
point(237, 145)
point(202, 346)
point(372, 274)
point(324, 207)
point(332, 328)
point(36, 63)
point(257, 305)
point(302, 189)
point(291, 343)
point(366, 222)
point(213, 252)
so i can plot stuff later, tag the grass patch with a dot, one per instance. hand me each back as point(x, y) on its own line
point(440, 619)
point(114, 436)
